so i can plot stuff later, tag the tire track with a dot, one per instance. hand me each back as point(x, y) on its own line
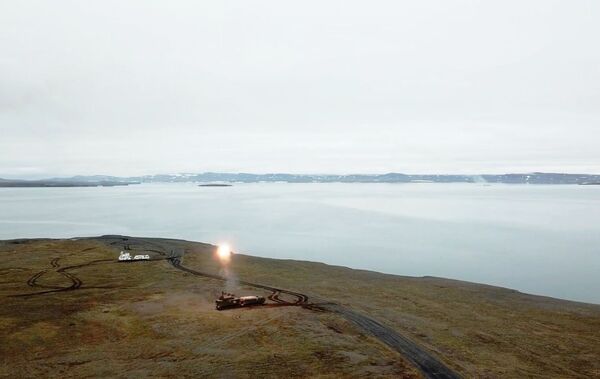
point(274, 297)
point(175, 261)
point(429, 365)
point(54, 263)
point(426, 362)
point(32, 281)
point(75, 281)
point(301, 299)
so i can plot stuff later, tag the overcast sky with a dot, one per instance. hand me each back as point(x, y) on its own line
point(138, 87)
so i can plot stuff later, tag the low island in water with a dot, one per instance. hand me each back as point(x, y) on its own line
point(215, 185)
point(81, 312)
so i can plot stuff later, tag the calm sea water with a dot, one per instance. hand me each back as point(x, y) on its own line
point(537, 239)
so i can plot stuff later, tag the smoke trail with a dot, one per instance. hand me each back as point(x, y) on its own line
point(231, 283)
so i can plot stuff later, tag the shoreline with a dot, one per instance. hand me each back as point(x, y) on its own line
point(439, 327)
point(454, 281)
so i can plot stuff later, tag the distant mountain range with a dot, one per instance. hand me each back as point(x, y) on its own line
point(66, 182)
point(212, 177)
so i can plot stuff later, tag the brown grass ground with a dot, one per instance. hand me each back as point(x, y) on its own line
point(148, 319)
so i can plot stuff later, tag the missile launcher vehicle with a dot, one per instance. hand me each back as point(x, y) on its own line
point(228, 300)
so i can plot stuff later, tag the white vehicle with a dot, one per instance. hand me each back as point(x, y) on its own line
point(126, 256)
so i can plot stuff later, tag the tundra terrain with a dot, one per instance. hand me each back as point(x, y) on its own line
point(70, 309)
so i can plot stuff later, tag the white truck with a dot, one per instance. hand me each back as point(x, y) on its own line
point(127, 257)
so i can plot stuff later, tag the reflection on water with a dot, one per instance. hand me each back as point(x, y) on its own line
point(538, 239)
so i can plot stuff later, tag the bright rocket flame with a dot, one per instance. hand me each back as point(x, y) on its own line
point(224, 253)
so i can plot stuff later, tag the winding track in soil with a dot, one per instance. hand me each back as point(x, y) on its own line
point(301, 299)
point(427, 363)
point(76, 282)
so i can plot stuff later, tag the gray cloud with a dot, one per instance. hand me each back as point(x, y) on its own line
point(338, 86)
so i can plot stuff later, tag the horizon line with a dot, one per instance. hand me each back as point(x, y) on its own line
point(42, 177)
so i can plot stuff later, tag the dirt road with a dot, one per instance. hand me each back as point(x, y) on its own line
point(429, 366)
